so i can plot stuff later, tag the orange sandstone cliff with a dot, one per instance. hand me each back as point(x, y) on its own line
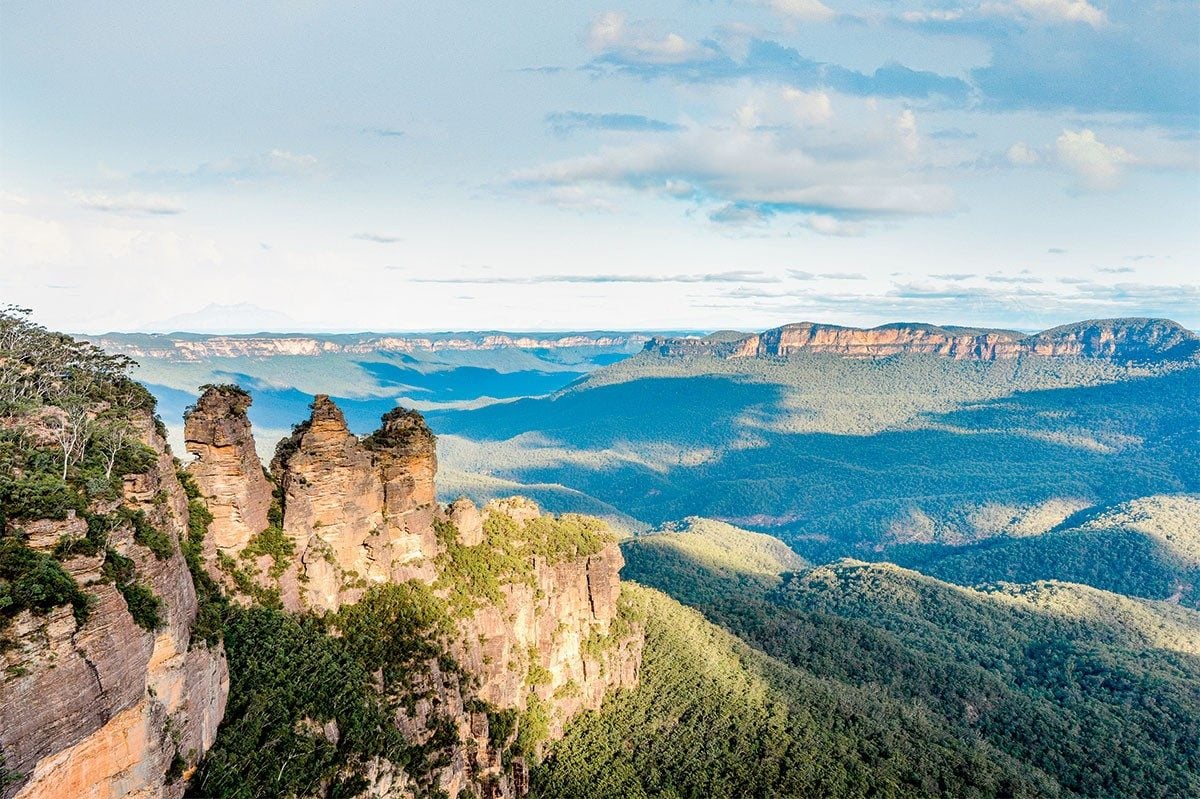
point(1122, 340)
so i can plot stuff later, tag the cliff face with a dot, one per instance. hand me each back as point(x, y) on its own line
point(107, 707)
point(1123, 340)
point(540, 635)
point(1118, 339)
point(193, 348)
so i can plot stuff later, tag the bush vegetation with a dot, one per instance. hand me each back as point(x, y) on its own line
point(473, 576)
point(54, 388)
point(1067, 695)
point(295, 676)
point(713, 718)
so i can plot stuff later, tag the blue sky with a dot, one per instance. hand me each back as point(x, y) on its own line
point(600, 165)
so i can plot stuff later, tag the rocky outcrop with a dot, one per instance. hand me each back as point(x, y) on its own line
point(226, 467)
point(554, 638)
point(361, 512)
point(1121, 340)
point(107, 708)
point(357, 512)
point(124, 705)
point(1139, 340)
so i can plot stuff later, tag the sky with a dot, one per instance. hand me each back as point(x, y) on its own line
point(618, 165)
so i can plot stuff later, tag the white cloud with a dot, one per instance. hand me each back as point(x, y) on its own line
point(859, 171)
point(275, 163)
point(937, 15)
point(612, 32)
point(128, 204)
point(784, 107)
point(747, 116)
point(1098, 166)
point(801, 10)
point(1053, 11)
point(906, 126)
point(28, 240)
point(1063, 11)
point(1021, 154)
point(809, 108)
point(829, 225)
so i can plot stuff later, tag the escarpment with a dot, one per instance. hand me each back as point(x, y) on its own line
point(109, 687)
point(529, 620)
point(1120, 340)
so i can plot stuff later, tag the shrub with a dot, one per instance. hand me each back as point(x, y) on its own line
point(35, 581)
point(143, 605)
point(148, 535)
point(271, 541)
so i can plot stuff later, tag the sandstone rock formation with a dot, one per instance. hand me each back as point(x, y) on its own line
point(1122, 340)
point(107, 708)
point(236, 492)
point(361, 512)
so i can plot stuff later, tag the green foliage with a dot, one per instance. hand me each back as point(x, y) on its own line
point(190, 489)
point(38, 366)
point(289, 445)
point(8, 776)
point(394, 629)
point(533, 727)
point(711, 717)
point(212, 606)
point(501, 726)
point(289, 678)
point(1073, 695)
point(244, 579)
point(38, 496)
point(228, 389)
point(561, 538)
point(474, 575)
point(143, 605)
point(148, 535)
point(835, 455)
point(32, 580)
point(31, 484)
point(274, 542)
point(1123, 561)
point(537, 674)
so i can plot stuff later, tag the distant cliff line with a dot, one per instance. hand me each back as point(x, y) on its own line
point(1127, 340)
point(197, 347)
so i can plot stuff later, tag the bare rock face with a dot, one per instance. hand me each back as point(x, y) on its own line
point(888, 340)
point(467, 519)
point(1120, 340)
point(227, 468)
point(104, 709)
point(554, 638)
point(406, 458)
point(358, 512)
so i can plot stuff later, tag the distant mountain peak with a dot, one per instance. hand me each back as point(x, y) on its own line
point(242, 317)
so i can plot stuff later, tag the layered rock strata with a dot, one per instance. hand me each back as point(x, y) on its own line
point(1125, 340)
point(109, 709)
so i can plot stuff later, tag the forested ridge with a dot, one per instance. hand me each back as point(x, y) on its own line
point(1095, 692)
